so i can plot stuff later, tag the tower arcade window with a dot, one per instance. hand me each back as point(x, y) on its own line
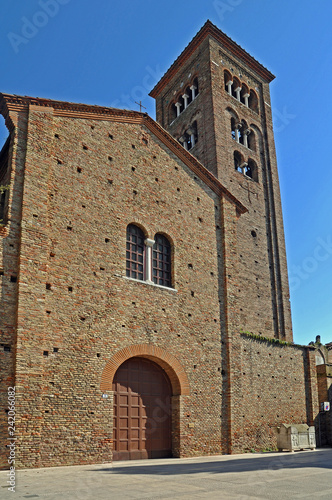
point(161, 261)
point(190, 137)
point(247, 168)
point(135, 253)
point(240, 91)
point(183, 100)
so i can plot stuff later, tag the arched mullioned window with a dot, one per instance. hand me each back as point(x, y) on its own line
point(190, 137)
point(228, 81)
point(135, 253)
point(183, 100)
point(253, 101)
point(161, 261)
point(251, 170)
point(236, 88)
point(240, 91)
point(238, 162)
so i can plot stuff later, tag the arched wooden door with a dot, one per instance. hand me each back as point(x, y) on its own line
point(142, 423)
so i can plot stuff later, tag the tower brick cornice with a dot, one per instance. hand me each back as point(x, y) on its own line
point(209, 29)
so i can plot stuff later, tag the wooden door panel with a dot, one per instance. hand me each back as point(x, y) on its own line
point(142, 411)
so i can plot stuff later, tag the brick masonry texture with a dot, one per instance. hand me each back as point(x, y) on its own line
point(79, 175)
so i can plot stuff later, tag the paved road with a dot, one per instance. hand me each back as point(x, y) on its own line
point(268, 476)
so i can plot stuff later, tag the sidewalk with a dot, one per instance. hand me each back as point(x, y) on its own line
point(268, 476)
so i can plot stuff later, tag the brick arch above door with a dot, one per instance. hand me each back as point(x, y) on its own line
point(173, 368)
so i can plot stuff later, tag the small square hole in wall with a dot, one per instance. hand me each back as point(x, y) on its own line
point(133, 146)
point(82, 318)
point(45, 353)
point(48, 286)
point(110, 158)
point(133, 169)
point(98, 354)
point(56, 136)
point(85, 147)
point(83, 206)
point(35, 216)
point(52, 254)
point(48, 312)
point(2, 272)
point(110, 181)
point(92, 127)
point(13, 279)
point(59, 162)
point(107, 240)
point(70, 289)
point(79, 170)
point(69, 228)
point(6, 348)
point(55, 349)
point(134, 192)
point(110, 136)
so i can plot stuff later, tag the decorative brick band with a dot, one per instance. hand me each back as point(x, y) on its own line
point(163, 358)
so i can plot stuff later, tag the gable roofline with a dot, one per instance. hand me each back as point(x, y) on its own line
point(210, 29)
point(15, 104)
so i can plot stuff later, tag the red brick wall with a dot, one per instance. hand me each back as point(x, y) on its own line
point(62, 418)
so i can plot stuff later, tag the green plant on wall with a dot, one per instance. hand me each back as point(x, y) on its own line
point(265, 339)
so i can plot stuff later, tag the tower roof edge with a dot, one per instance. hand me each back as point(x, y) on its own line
point(210, 29)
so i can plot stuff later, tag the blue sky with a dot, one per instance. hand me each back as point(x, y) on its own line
point(113, 53)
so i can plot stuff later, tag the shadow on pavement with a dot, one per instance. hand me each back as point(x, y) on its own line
point(318, 458)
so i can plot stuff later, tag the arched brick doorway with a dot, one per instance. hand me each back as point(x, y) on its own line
point(142, 420)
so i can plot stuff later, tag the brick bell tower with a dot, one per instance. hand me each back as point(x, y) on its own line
point(215, 101)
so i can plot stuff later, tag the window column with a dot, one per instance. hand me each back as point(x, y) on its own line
point(238, 93)
point(184, 142)
point(185, 98)
point(246, 100)
point(193, 91)
point(237, 132)
point(178, 108)
point(191, 132)
point(148, 263)
point(229, 87)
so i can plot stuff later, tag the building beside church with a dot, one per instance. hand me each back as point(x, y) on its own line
point(145, 301)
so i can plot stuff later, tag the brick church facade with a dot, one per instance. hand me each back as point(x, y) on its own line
point(145, 302)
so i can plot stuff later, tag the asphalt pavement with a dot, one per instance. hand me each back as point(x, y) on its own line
point(268, 476)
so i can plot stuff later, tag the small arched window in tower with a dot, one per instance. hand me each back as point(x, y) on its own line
point(192, 135)
point(236, 88)
point(251, 139)
point(253, 101)
point(161, 261)
point(189, 93)
point(194, 88)
point(135, 253)
point(172, 113)
point(228, 82)
point(251, 170)
point(239, 163)
point(234, 128)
